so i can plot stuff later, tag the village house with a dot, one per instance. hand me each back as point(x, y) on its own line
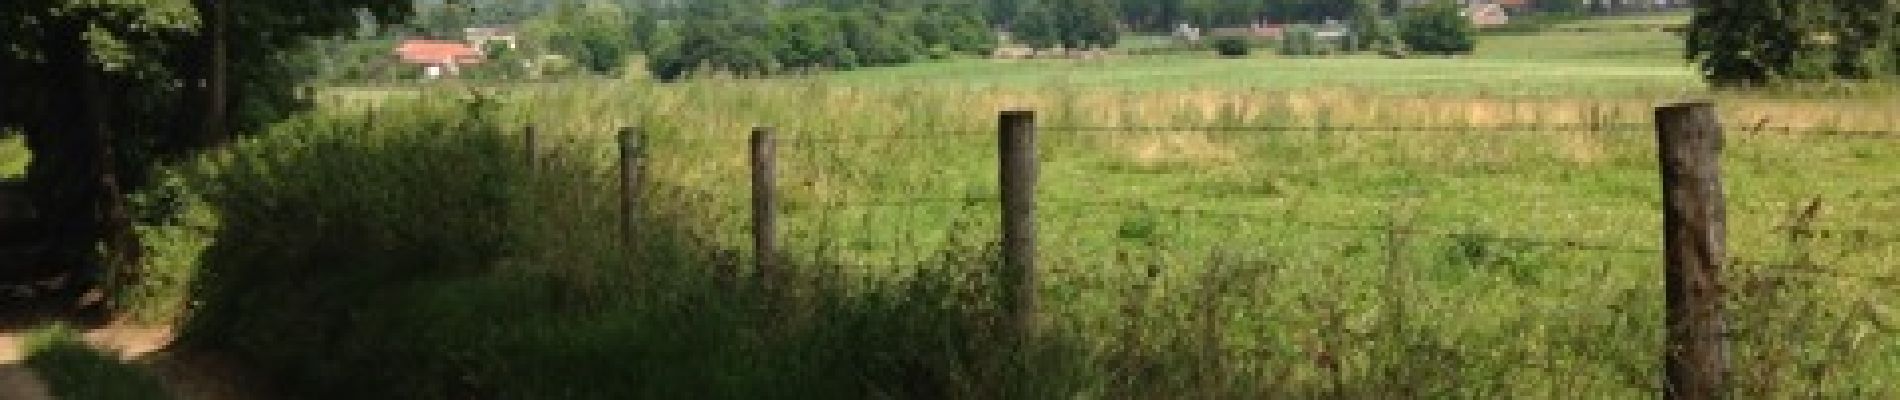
point(1488, 14)
point(438, 58)
point(483, 37)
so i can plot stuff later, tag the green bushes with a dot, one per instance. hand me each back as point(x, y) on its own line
point(1071, 24)
point(597, 35)
point(1438, 28)
point(1752, 43)
point(1232, 47)
point(799, 39)
point(411, 255)
point(323, 219)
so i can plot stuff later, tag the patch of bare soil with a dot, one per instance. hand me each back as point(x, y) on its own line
point(189, 376)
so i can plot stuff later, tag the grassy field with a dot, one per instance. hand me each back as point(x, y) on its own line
point(1515, 257)
point(1575, 64)
point(1512, 256)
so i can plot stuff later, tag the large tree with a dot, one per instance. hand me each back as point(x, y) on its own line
point(598, 35)
point(1756, 42)
point(1075, 24)
point(102, 89)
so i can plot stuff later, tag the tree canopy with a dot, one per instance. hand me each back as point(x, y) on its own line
point(1754, 42)
point(104, 88)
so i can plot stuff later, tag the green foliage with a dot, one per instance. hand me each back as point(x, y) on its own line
point(346, 211)
point(1072, 24)
point(355, 60)
point(808, 38)
point(812, 39)
point(878, 39)
point(598, 35)
point(1756, 42)
point(487, 277)
point(1371, 30)
point(176, 227)
point(105, 90)
point(73, 370)
point(1437, 28)
point(960, 29)
point(13, 156)
point(1161, 15)
point(1232, 46)
point(715, 45)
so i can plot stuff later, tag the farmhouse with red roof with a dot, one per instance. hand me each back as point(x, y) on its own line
point(439, 58)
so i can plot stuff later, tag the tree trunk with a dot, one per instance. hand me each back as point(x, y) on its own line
point(123, 256)
point(72, 176)
point(217, 17)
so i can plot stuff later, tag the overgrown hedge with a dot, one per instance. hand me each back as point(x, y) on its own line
point(412, 255)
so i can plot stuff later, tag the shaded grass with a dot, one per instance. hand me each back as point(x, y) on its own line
point(73, 370)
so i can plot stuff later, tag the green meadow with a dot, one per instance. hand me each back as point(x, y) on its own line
point(1556, 63)
point(1269, 235)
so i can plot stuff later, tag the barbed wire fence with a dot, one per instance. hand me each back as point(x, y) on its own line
point(825, 197)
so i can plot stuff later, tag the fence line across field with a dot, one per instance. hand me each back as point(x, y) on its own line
point(1693, 238)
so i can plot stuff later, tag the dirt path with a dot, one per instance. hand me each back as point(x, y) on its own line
point(17, 382)
point(187, 377)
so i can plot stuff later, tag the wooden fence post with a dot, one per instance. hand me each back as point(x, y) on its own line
point(1694, 250)
point(765, 206)
point(1017, 144)
point(632, 163)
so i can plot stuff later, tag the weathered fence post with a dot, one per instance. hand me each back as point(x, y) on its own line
point(1017, 145)
point(765, 206)
point(1694, 248)
point(632, 163)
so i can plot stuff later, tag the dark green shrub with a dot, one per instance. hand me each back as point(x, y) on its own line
point(810, 39)
point(879, 40)
point(955, 29)
point(1438, 28)
point(324, 218)
point(718, 45)
point(1232, 46)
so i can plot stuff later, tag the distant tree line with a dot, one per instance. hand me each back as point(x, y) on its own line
point(1757, 42)
point(750, 39)
point(759, 37)
point(740, 37)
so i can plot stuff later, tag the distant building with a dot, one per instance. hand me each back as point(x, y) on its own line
point(1487, 14)
point(438, 58)
point(1187, 33)
point(482, 37)
point(1258, 30)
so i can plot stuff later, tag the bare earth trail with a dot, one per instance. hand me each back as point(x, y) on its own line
point(186, 377)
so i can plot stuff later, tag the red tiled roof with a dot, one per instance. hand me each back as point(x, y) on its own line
point(438, 52)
